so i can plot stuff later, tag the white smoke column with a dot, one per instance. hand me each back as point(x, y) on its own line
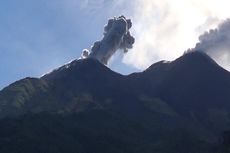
point(116, 37)
point(216, 43)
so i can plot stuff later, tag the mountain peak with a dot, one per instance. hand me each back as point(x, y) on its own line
point(84, 66)
point(196, 56)
point(197, 61)
point(189, 60)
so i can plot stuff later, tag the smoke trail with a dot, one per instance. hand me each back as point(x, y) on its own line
point(116, 36)
point(216, 43)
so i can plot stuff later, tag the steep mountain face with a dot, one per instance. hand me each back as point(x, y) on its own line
point(185, 101)
point(195, 86)
point(196, 81)
point(87, 84)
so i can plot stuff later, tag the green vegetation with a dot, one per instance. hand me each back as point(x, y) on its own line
point(14, 98)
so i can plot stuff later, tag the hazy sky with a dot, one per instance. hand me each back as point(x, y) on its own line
point(37, 36)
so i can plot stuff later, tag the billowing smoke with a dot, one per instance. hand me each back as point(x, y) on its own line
point(116, 37)
point(216, 43)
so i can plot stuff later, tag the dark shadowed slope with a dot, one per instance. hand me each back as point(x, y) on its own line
point(199, 88)
point(195, 86)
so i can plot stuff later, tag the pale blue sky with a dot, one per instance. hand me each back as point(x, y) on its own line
point(38, 36)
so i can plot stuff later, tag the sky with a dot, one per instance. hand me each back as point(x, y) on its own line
point(38, 36)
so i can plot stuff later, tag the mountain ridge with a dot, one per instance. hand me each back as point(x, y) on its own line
point(90, 76)
point(186, 100)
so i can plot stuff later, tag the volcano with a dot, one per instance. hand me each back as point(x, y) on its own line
point(83, 106)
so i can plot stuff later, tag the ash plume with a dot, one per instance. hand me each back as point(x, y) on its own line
point(216, 43)
point(116, 37)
